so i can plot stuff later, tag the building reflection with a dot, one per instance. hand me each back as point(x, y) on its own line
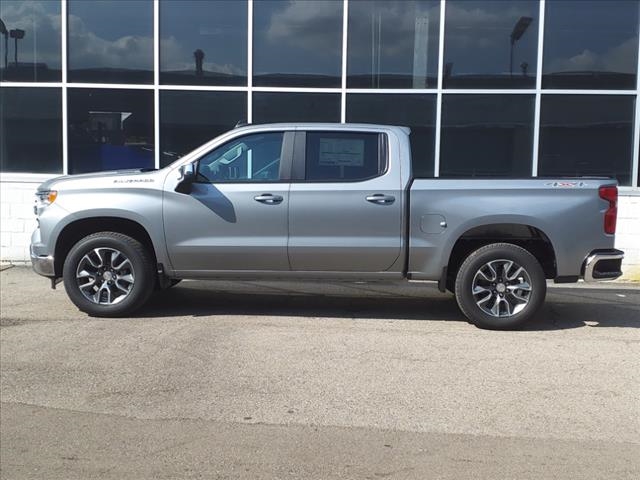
point(22, 71)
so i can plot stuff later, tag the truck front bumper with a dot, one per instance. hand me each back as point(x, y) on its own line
point(43, 264)
point(603, 265)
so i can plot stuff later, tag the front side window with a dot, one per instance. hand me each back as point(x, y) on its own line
point(252, 158)
point(340, 157)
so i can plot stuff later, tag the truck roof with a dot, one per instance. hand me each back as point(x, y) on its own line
point(324, 126)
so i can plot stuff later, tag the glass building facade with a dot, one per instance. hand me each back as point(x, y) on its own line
point(489, 88)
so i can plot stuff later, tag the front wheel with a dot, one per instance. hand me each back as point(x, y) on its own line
point(500, 286)
point(108, 274)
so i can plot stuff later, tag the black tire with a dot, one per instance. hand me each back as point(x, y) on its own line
point(510, 300)
point(124, 294)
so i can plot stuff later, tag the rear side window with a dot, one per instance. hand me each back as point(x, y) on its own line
point(344, 157)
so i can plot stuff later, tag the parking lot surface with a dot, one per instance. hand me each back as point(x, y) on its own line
point(316, 380)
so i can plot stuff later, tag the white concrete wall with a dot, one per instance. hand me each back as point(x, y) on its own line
point(628, 235)
point(18, 221)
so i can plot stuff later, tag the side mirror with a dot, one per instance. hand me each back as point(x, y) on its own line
point(188, 175)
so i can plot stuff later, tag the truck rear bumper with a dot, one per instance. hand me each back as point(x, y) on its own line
point(603, 265)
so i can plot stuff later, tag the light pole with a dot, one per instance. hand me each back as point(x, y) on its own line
point(16, 34)
point(3, 30)
point(518, 30)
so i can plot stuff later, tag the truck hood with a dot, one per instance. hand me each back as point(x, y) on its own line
point(132, 175)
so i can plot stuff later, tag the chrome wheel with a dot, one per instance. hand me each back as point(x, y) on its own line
point(105, 276)
point(501, 288)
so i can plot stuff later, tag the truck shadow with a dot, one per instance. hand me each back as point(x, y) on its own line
point(564, 308)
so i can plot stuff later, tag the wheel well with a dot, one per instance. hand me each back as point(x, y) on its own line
point(528, 237)
point(79, 229)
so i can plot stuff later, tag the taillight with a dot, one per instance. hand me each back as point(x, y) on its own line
point(610, 194)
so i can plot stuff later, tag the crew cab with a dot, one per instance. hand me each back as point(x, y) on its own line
point(322, 201)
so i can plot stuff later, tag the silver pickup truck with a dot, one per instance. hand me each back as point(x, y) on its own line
point(322, 201)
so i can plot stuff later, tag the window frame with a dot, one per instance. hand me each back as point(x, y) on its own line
point(286, 158)
point(299, 167)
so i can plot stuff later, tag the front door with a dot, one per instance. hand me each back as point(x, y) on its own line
point(235, 216)
point(346, 203)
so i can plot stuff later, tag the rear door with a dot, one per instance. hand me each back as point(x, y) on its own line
point(345, 211)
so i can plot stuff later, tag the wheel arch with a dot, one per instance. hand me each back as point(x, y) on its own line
point(78, 229)
point(530, 237)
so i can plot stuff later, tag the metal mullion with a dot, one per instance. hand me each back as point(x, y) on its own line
point(392, 90)
point(156, 82)
point(64, 64)
point(250, 61)
point(588, 92)
point(489, 91)
point(438, 133)
point(299, 89)
point(535, 151)
point(345, 33)
point(204, 88)
point(115, 86)
point(32, 84)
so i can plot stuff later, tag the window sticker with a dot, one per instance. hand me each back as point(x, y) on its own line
point(341, 152)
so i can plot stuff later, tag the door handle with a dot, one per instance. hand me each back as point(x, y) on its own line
point(381, 199)
point(268, 198)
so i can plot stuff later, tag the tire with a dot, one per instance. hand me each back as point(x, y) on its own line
point(108, 274)
point(500, 286)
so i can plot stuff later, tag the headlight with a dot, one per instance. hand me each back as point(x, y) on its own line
point(44, 198)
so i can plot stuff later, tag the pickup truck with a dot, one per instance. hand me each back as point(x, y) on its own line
point(322, 201)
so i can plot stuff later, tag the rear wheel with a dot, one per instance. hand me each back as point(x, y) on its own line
point(108, 274)
point(500, 286)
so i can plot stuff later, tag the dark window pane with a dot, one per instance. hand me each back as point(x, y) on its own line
point(586, 135)
point(591, 44)
point(339, 156)
point(189, 119)
point(491, 44)
point(393, 44)
point(32, 53)
point(252, 158)
point(416, 111)
point(203, 42)
point(31, 130)
point(486, 136)
point(297, 43)
point(295, 107)
point(111, 42)
point(110, 129)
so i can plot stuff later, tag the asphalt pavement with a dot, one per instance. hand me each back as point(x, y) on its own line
point(316, 381)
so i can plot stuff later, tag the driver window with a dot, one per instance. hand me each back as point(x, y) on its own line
point(252, 158)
